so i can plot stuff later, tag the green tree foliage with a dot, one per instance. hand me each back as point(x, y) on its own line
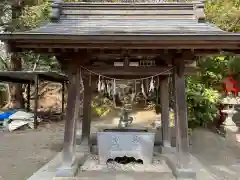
point(224, 13)
point(202, 102)
point(33, 14)
point(204, 89)
point(22, 15)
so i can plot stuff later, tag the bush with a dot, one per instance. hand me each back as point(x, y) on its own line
point(202, 103)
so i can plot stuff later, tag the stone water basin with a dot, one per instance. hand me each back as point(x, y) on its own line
point(115, 142)
point(125, 130)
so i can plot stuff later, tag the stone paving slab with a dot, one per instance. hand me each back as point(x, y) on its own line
point(220, 156)
point(97, 175)
point(202, 173)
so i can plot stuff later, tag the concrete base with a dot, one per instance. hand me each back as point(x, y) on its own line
point(67, 171)
point(48, 171)
point(184, 174)
point(196, 171)
point(179, 173)
point(94, 149)
point(83, 149)
point(92, 170)
point(99, 175)
point(64, 171)
point(167, 150)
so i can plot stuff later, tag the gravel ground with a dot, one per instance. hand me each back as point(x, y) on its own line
point(25, 151)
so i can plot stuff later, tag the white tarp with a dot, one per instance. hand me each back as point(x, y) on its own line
point(16, 124)
point(21, 118)
point(21, 115)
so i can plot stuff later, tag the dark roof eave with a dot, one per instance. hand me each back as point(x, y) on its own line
point(123, 37)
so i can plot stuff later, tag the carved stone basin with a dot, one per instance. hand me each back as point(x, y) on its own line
point(114, 142)
point(124, 130)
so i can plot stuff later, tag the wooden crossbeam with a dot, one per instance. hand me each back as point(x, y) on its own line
point(137, 71)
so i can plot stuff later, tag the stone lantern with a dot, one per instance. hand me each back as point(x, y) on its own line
point(230, 102)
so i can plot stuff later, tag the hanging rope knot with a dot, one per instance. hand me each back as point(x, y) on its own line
point(134, 92)
point(102, 86)
point(108, 88)
point(99, 83)
point(81, 80)
point(114, 87)
point(151, 86)
point(143, 90)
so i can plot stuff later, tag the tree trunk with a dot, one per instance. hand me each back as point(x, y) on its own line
point(16, 92)
point(16, 99)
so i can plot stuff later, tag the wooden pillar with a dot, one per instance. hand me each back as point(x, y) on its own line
point(63, 93)
point(181, 121)
point(75, 94)
point(164, 100)
point(36, 83)
point(87, 115)
point(28, 97)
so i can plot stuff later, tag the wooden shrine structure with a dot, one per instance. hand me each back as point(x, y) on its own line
point(95, 35)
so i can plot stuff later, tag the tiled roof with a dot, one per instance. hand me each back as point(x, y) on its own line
point(119, 26)
point(119, 21)
point(122, 18)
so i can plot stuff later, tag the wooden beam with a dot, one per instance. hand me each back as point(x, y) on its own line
point(118, 52)
point(47, 49)
point(137, 40)
point(136, 71)
point(167, 45)
point(235, 51)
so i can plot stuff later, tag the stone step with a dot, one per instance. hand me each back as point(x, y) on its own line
point(98, 175)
